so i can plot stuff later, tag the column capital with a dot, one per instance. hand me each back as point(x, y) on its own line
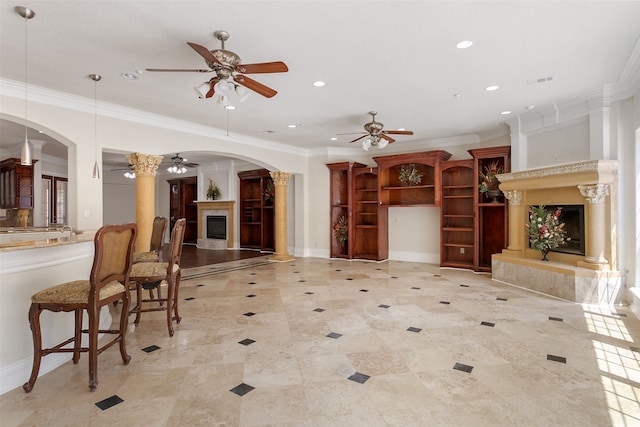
point(594, 194)
point(280, 178)
point(513, 196)
point(144, 164)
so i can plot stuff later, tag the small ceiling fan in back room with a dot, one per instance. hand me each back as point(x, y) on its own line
point(179, 164)
point(375, 134)
point(230, 72)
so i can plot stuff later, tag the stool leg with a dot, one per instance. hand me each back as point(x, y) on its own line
point(170, 294)
point(94, 316)
point(124, 319)
point(77, 337)
point(175, 297)
point(34, 323)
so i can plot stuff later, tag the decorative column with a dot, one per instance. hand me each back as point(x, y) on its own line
point(145, 166)
point(516, 221)
point(281, 179)
point(595, 220)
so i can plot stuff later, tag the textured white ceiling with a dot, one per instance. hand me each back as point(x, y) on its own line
point(395, 57)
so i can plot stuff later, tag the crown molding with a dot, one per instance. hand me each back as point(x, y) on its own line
point(15, 89)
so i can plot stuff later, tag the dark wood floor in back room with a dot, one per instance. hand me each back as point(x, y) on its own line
point(194, 257)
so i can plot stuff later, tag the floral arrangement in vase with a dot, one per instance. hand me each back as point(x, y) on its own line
point(213, 192)
point(546, 232)
point(409, 175)
point(268, 192)
point(341, 230)
point(489, 181)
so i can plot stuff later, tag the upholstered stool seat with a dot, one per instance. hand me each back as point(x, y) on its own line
point(151, 256)
point(108, 283)
point(76, 292)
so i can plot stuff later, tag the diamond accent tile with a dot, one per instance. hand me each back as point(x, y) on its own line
point(464, 286)
point(384, 306)
point(502, 299)
point(359, 378)
point(151, 348)
point(319, 310)
point(189, 298)
point(415, 288)
point(252, 283)
point(557, 319)
point(348, 278)
point(488, 324)
point(200, 285)
point(462, 367)
point(308, 293)
point(109, 402)
point(241, 389)
point(251, 296)
point(301, 281)
point(412, 329)
point(334, 335)
point(246, 341)
point(364, 290)
point(445, 302)
point(394, 277)
point(249, 314)
point(556, 358)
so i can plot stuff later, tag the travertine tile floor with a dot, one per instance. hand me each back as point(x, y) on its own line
point(318, 342)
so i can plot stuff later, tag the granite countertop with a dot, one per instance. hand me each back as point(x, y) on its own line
point(78, 236)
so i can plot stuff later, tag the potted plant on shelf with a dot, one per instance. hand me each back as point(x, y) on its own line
point(213, 192)
point(409, 175)
point(489, 181)
point(341, 231)
point(268, 192)
point(546, 232)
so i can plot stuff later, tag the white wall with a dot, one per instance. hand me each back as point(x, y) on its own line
point(566, 144)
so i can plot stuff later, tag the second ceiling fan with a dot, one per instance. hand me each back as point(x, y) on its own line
point(377, 136)
point(229, 71)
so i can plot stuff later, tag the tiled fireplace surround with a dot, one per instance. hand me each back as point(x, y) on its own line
point(215, 207)
point(592, 278)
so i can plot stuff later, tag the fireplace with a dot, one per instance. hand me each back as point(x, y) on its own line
point(216, 227)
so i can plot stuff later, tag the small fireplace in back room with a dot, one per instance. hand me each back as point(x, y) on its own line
point(216, 227)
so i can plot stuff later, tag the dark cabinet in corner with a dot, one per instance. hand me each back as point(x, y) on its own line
point(182, 204)
point(257, 213)
point(16, 184)
point(341, 208)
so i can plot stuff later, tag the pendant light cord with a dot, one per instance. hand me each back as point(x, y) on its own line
point(25, 78)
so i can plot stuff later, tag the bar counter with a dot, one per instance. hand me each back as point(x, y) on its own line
point(27, 267)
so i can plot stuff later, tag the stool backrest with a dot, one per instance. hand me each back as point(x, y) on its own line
point(113, 255)
point(175, 247)
point(157, 234)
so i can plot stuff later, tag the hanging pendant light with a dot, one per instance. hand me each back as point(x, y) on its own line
point(96, 78)
point(25, 154)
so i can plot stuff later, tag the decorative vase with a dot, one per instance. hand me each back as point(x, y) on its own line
point(343, 248)
point(544, 251)
point(494, 193)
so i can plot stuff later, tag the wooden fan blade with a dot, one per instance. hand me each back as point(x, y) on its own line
point(359, 138)
point(212, 88)
point(205, 53)
point(398, 132)
point(265, 67)
point(388, 138)
point(351, 133)
point(255, 86)
point(177, 70)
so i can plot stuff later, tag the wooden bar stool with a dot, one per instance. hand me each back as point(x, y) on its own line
point(108, 282)
point(153, 274)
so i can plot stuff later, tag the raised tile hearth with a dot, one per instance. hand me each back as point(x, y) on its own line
point(590, 278)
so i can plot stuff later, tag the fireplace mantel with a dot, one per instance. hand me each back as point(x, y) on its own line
point(592, 278)
point(217, 205)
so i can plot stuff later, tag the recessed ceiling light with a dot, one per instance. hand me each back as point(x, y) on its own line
point(319, 83)
point(530, 107)
point(504, 113)
point(491, 88)
point(464, 44)
point(456, 95)
point(269, 131)
point(140, 71)
point(294, 126)
point(334, 138)
point(230, 107)
point(128, 76)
